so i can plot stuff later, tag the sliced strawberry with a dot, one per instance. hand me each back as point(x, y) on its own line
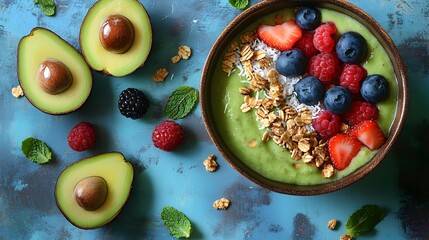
point(370, 134)
point(343, 148)
point(282, 36)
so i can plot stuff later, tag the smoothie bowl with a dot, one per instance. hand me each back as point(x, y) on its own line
point(304, 97)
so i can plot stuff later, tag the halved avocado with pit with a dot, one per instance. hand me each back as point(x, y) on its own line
point(91, 192)
point(53, 75)
point(116, 36)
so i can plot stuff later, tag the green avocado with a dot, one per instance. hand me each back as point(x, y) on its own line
point(91, 192)
point(67, 66)
point(116, 36)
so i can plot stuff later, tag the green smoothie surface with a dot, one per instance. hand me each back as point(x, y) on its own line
point(268, 159)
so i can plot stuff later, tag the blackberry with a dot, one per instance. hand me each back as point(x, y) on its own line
point(133, 103)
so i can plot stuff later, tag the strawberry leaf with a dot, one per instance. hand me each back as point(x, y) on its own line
point(364, 220)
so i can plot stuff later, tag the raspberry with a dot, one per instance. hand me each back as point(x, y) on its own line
point(133, 103)
point(359, 112)
point(325, 67)
point(351, 77)
point(323, 39)
point(81, 137)
point(326, 124)
point(167, 135)
point(305, 44)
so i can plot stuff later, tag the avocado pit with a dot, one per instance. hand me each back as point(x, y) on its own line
point(116, 34)
point(91, 192)
point(54, 76)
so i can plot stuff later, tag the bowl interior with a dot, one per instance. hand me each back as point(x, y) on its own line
point(249, 17)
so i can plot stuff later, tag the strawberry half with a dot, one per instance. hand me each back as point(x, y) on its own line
point(343, 148)
point(282, 36)
point(370, 134)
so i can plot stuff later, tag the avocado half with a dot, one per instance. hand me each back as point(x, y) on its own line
point(118, 175)
point(43, 44)
point(116, 64)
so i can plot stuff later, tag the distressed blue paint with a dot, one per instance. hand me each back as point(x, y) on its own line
point(27, 206)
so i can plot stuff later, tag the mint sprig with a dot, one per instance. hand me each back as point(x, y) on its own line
point(36, 150)
point(180, 102)
point(364, 220)
point(239, 4)
point(47, 6)
point(176, 222)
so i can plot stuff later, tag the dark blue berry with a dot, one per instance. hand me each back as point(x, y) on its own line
point(351, 48)
point(338, 100)
point(374, 88)
point(291, 63)
point(308, 18)
point(309, 90)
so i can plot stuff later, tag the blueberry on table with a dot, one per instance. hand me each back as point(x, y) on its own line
point(308, 18)
point(351, 47)
point(309, 90)
point(374, 88)
point(338, 100)
point(291, 63)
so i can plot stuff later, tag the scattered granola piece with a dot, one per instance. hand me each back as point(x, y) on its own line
point(228, 62)
point(248, 37)
point(246, 53)
point(160, 75)
point(332, 224)
point(184, 52)
point(328, 171)
point(252, 143)
point(266, 136)
point(345, 237)
point(221, 204)
point(175, 59)
point(17, 91)
point(210, 163)
point(245, 91)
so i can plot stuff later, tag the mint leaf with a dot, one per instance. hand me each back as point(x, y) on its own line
point(364, 220)
point(176, 222)
point(239, 4)
point(47, 6)
point(180, 102)
point(36, 150)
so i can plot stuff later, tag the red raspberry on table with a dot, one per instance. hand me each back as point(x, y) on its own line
point(360, 111)
point(323, 37)
point(305, 44)
point(351, 77)
point(325, 66)
point(168, 135)
point(81, 137)
point(326, 124)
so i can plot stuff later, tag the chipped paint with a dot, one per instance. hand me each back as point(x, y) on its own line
point(19, 185)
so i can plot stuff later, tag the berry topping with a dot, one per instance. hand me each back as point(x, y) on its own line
point(351, 77)
point(359, 112)
point(305, 44)
point(325, 67)
point(326, 124)
point(81, 137)
point(168, 135)
point(337, 100)
point(351, 48)
point(374, 88)
point(291, 63)
point(133, 103)
point(323, 38)
point(370, 134)
point(308, 18)
point(309, 90)
point(282, 36)
point(342, 149)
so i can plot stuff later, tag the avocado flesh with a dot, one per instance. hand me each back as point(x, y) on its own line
point(111, 63)
point(40, 44)
point(118, 174)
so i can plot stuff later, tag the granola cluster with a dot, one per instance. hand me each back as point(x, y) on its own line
point(17, 91)
point(221, 204)
point(183, 52)
point(210, 163)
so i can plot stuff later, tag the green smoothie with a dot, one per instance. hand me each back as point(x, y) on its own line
point(268, 159)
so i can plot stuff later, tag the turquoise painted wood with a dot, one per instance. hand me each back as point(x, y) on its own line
point(27, 205)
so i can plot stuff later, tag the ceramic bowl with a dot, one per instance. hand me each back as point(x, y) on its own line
point(250, 16)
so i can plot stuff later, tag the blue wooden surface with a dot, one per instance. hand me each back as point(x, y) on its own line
point(27, 205)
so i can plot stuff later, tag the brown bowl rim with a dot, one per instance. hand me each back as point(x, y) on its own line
point(267, 7)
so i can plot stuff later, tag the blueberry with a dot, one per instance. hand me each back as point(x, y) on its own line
point(374, 88)
point(309, 90)
point(338, 100)
point(308, 18)
point(351, 48)
point(291, 63)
